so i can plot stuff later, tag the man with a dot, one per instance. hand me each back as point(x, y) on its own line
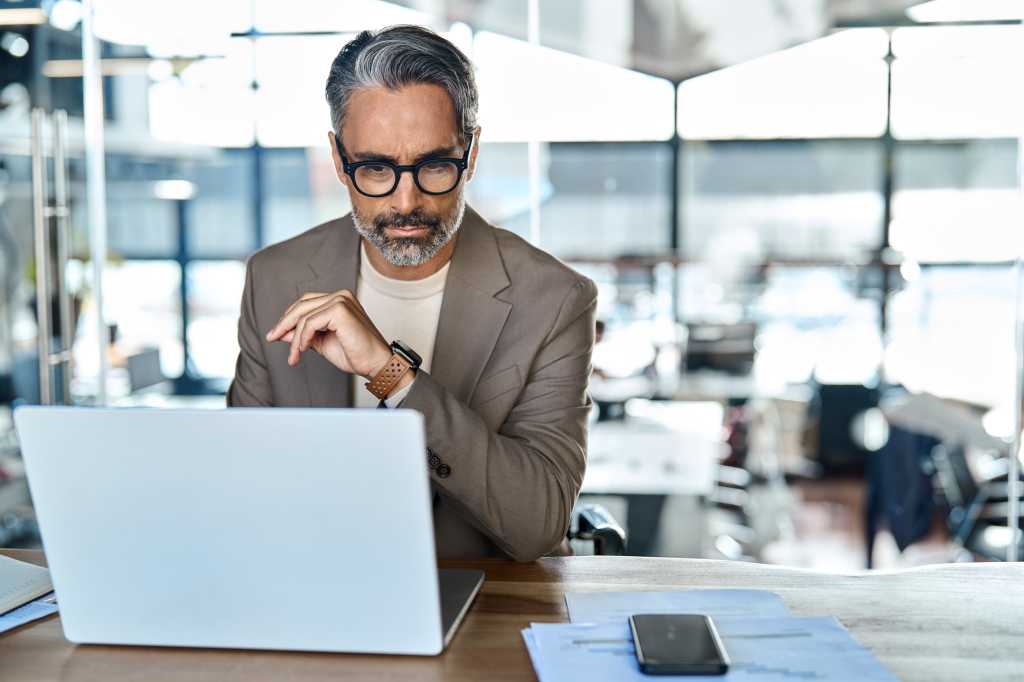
point(504, 330)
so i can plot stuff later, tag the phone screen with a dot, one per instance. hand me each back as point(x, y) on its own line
point(678, 644)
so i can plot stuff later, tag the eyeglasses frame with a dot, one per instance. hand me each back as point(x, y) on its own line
point(351, 168)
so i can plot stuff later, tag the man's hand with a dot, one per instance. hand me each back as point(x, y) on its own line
point(336, 326)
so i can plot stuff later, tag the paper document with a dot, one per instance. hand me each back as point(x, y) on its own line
point(20, 583)
point(597, 607)
point(760, 650)
point(31, 611)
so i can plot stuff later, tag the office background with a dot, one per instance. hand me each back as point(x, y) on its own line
point(803, 217)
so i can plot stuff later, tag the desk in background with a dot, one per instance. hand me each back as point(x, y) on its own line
point(932, 624)
point(660, 448)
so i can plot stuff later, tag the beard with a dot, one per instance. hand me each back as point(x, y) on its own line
point(410, 251)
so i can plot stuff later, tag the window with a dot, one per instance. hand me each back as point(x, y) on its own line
point(831, 87)
point(220, 217)
point(210, 103)
point(957, 82)
point(530, 92)
point(606, 200)
point(747, 201)
point(951, 334)
point(957, 201)
point(142, 299)
point(215, 290)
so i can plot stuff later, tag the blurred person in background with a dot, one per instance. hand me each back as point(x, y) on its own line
point(413, 300)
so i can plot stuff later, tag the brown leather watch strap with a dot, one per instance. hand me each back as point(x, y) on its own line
point(387, 378)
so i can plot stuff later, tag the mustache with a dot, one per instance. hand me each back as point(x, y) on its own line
point(416, 218)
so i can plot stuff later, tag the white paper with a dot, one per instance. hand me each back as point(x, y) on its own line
point(31, 611)
point(760, 650)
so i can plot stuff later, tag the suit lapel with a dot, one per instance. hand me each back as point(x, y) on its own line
point(334, 266)
point(472, 317)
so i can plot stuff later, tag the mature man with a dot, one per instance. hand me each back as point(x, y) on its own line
point(504, 330)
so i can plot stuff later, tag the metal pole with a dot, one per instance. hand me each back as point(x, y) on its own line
point(532, 145)
point(95, 178)
point(1013, 472)
point(183, 288)
point(888, 184)
point(42, 251)
point(675, 191)
point(61, 212)
point(1013, 483)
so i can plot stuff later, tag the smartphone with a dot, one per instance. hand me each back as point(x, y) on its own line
point(678, 644)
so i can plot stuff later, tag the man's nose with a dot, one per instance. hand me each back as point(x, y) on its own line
point(406, 196)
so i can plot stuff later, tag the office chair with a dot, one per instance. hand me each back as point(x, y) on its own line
point(593, 523)
point(977, 517)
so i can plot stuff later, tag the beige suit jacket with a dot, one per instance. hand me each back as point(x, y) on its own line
point(505, 405)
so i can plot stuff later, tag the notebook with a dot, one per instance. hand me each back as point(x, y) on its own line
point(20, 583)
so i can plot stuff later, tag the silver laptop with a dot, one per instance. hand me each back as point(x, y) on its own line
point(300, 529)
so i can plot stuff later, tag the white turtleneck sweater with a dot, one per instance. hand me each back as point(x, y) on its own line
point(407, 310)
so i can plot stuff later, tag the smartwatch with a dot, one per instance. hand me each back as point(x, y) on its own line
point(403, 359)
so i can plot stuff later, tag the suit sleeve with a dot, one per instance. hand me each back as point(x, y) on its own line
point(251, 384)
point(518, 486)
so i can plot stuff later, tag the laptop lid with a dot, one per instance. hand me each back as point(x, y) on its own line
point(252, 528)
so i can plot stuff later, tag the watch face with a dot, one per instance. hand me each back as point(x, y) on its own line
point(408, 353)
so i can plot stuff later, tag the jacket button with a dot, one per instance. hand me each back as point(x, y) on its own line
point(433, 461)
point(444, 471)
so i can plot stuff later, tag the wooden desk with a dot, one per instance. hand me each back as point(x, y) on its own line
point(951, 622)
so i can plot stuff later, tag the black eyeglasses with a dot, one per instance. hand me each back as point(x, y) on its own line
point(380, 178)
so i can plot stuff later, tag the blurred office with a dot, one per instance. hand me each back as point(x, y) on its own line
point(804, 219)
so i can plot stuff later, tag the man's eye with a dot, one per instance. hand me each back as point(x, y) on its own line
point(376, 170)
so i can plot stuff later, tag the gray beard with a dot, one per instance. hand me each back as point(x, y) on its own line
point(409, 252)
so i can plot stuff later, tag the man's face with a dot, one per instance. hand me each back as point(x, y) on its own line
point(404, 126)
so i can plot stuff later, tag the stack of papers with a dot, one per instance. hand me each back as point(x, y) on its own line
point(21, 582)
point(25, 593)
point(34, 610)
point(763, 641)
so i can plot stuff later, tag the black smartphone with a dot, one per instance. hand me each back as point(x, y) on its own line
point(678, 644)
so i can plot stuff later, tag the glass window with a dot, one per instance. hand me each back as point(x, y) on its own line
point(750, 201)
point(500, 189)
point(183, 28)
point(831, 87)
point(215, 293)
point(957, 201)
point(816, 321)
point(291, 72)
point(301, 190)
point(220, 216)
point(808, 321)
point(210, 103)
point(137, 225)
point(142, 298)
point(952, 82)
point(606, 200)
point(530, 92)
point(954, 98)
point(951, 333)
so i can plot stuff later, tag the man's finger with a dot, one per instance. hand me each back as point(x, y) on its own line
point(321, 319)
point(293, 351)
point(295, 311)
point(309, 296)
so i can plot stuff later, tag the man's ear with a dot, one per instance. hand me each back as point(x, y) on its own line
point(339, 171)
point(471, 170)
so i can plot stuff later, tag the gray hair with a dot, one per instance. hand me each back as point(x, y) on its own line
point(397, 56)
